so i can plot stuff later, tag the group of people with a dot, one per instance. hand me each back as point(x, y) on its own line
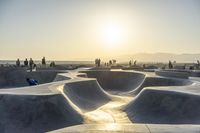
point(134, 63)
point(192, 67)
point(27, 63)
point(32, 66)
point(109, 63)
point(30, 63)
point(98, 62)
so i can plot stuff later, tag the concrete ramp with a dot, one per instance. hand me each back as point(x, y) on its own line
point(173, 73)
point(130, 128)
point(120, 81)
point(87, 95)
point(179, 73)
point(131, 83)
point(165, 106)
point(80, 102)
point(160, 81)
point(16, 77)
point(35, 113)
point(61, 77)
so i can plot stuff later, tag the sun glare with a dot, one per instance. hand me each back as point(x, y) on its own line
point(112, 35)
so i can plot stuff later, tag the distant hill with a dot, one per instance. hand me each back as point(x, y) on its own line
point(159, 57)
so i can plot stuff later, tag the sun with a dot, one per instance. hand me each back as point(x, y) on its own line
point(112, 35)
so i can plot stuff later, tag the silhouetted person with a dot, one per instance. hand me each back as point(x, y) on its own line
point(97, 62)
point(170, 65)
point(43, 61)
point(18, 63)
point(26, 62)
point(32, 82)
point(52, 64)
point(110, 62)
point(31, 63)
point(135, 62)
point(130, 63)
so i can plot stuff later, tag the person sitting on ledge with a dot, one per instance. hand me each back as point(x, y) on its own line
point(32, 81)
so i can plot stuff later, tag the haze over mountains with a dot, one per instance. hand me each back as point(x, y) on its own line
point(140, 57)
point(159, 57)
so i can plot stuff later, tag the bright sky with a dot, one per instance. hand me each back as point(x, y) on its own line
point(86, 29)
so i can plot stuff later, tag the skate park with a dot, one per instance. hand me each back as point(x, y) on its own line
point(86, 100)
point(100, 66)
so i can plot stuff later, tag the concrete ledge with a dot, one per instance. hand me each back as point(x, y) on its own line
point(129, 128)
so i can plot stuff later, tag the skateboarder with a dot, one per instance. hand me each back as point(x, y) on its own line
point(32, 81)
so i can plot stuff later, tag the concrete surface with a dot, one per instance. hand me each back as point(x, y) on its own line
point(16, 77)
point(98, 101)
point(130, 128)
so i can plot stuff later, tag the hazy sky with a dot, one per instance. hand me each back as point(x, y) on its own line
point(85, 29)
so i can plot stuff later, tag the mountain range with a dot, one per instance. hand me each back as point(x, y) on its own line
point(159, 57)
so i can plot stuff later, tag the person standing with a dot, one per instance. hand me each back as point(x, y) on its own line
point(96, 62)
point(43, 61)
point(130, 63)
point(18, 63)
point(135, 63)
point(31, 64)
point(26, 62)
point(170, 65)
point(110, 62)
point(99, 62)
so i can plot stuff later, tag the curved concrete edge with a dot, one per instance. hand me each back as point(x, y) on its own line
point(121, 81)
point(171, 73)
point(61, 77)
point(82, 75)
point(133, 87)
point(36, 113)
point(160, 82)
point(68, 77)
point(190, 73)
point(178, 73)
point(87, 95)
point(171, 106)
point(130, 128)
point(10, 78)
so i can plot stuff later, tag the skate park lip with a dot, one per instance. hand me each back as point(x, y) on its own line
point(178, 73)
point(131, 83)
point(86, 91)
point(14, 78)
